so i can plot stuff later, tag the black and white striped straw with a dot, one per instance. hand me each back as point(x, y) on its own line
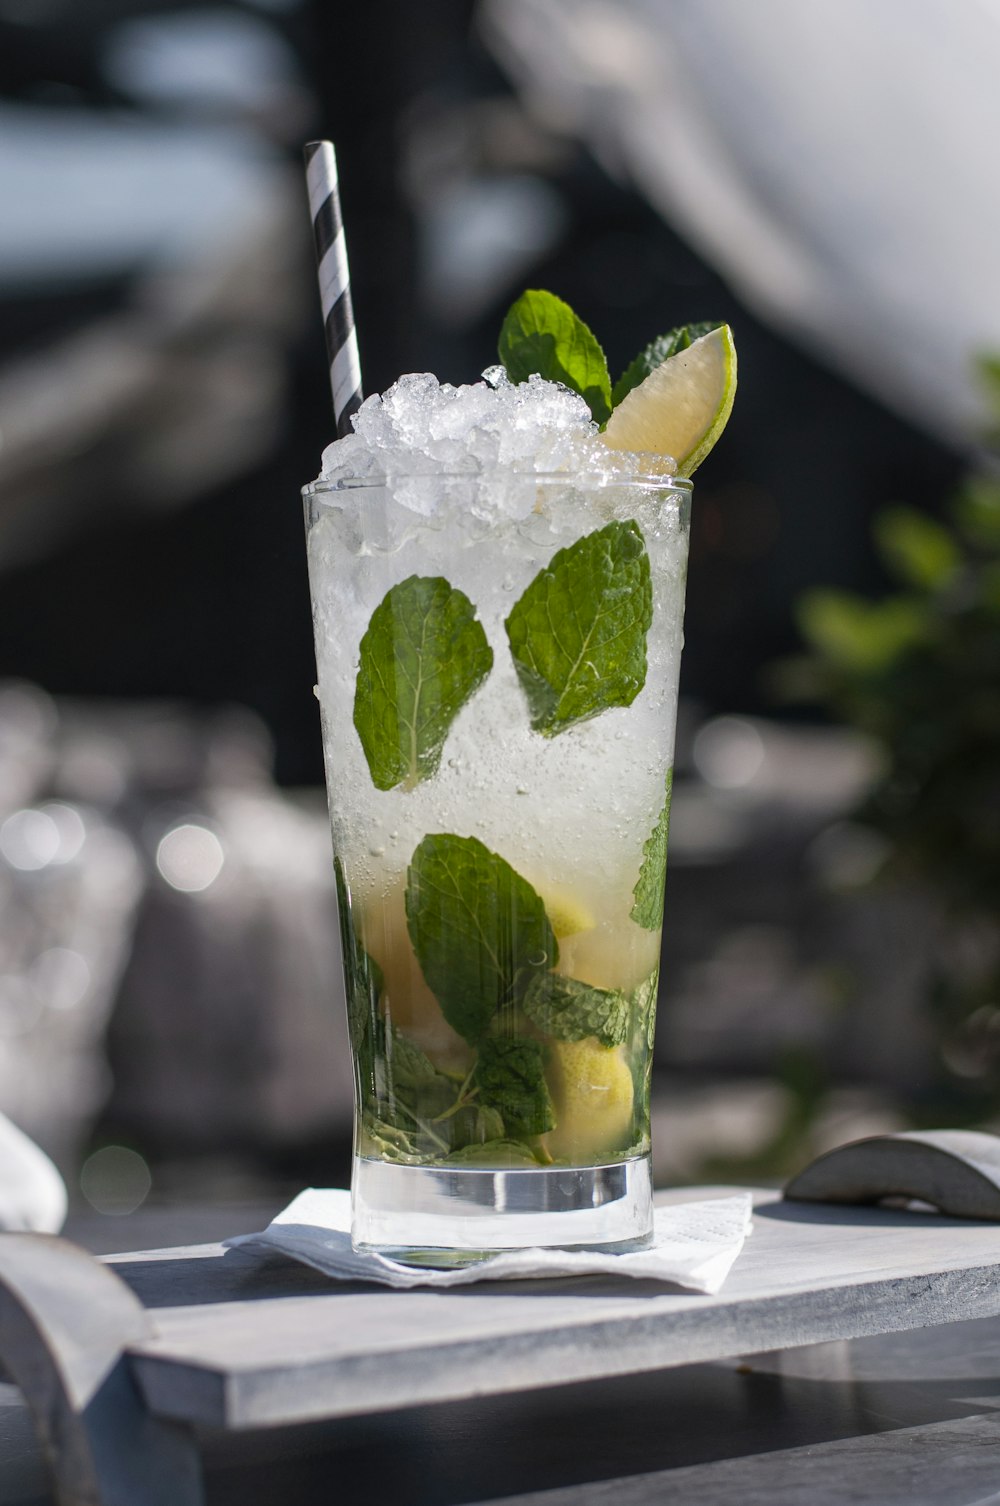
point(334, 282)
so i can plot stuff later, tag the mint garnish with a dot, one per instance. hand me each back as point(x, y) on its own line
point(510, 1075)
point(478, 928)
point(541, 334)
point(422, 656)
point(647, 909)
point(570, 1010)
point(656, 352)
point(578, 633)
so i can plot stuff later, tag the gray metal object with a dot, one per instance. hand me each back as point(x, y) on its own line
point(65, 1322)
point(956, 1171)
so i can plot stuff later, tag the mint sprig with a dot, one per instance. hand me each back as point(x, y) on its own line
point(647, 908)
point(541, 334)
point(478, 928)
point(510, 1075)
point(656, 352)
point(423, 655)
point(578, 633)
point(414, 1109)
point(570, 1010)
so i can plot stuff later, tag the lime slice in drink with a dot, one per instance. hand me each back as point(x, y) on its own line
point(682, 407)
point(592, 1091)
point(567, 914)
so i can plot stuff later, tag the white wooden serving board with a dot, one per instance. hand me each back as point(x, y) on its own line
point(244, 1341)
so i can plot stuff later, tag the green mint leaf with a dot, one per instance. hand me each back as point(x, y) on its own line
point(413, 1074)
point(578, 633)
point(489, 1125)
point(542, 335)
point(409, 1091)
point(642, 1026)
point(422, 656)
point(500, 1152)
point(510, 1075)
point(642, 1007)
point(363, 983)
point(436, 1113)
point(570, 1010)
point(478, 929)
point(656, 352)
point(472, 1124)
point(363, 979)
point(647, 909)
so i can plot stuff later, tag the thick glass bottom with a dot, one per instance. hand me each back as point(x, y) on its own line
point(441, 1216)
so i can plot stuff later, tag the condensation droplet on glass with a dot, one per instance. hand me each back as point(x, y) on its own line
point(454, 763)
point(507, 584)
point(376, 852)
point(539, 959)
point(522, 789)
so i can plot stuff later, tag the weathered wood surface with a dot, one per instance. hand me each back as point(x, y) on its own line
point(244, 1342)
point(956, 1171)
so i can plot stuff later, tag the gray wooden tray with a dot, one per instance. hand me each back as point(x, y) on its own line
point(120, 1360)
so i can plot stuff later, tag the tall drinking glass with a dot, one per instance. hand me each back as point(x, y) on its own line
point(498, 691)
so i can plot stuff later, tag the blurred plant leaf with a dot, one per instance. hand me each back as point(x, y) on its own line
point(919, 672)
point(859, 636)
point(918, 549)
point(976, 510)
point(990, 587)
point(987, 367)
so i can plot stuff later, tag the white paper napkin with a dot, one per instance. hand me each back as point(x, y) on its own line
point(694, 1245)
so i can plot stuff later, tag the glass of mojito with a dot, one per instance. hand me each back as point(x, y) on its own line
point(498, 591)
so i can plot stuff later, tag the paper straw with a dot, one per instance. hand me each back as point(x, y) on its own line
point(334, 282)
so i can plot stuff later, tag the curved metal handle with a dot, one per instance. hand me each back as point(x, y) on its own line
point(956, 1171)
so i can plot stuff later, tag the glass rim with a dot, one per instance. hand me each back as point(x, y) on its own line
point(597, 480)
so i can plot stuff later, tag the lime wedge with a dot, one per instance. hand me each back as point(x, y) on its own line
point(592, 1091)
point(682, 407)
point(567, 915)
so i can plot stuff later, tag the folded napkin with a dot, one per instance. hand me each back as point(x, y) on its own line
point(694, 1245)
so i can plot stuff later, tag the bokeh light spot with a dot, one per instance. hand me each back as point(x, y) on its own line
point(190, 858)
point(728, 752)
point(29, 840)
point(61, 978)
point(115, 1180)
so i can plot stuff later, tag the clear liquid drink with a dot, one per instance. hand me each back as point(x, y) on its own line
point(498, 654)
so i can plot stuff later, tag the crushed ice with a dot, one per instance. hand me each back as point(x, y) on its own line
point(421, 429)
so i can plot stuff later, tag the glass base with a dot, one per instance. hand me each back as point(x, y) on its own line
point(446, 1217)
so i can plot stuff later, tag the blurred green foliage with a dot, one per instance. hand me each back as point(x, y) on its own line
point(919, 671)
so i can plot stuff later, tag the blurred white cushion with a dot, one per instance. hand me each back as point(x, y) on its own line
point(834, 160)
point(32, 1193)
